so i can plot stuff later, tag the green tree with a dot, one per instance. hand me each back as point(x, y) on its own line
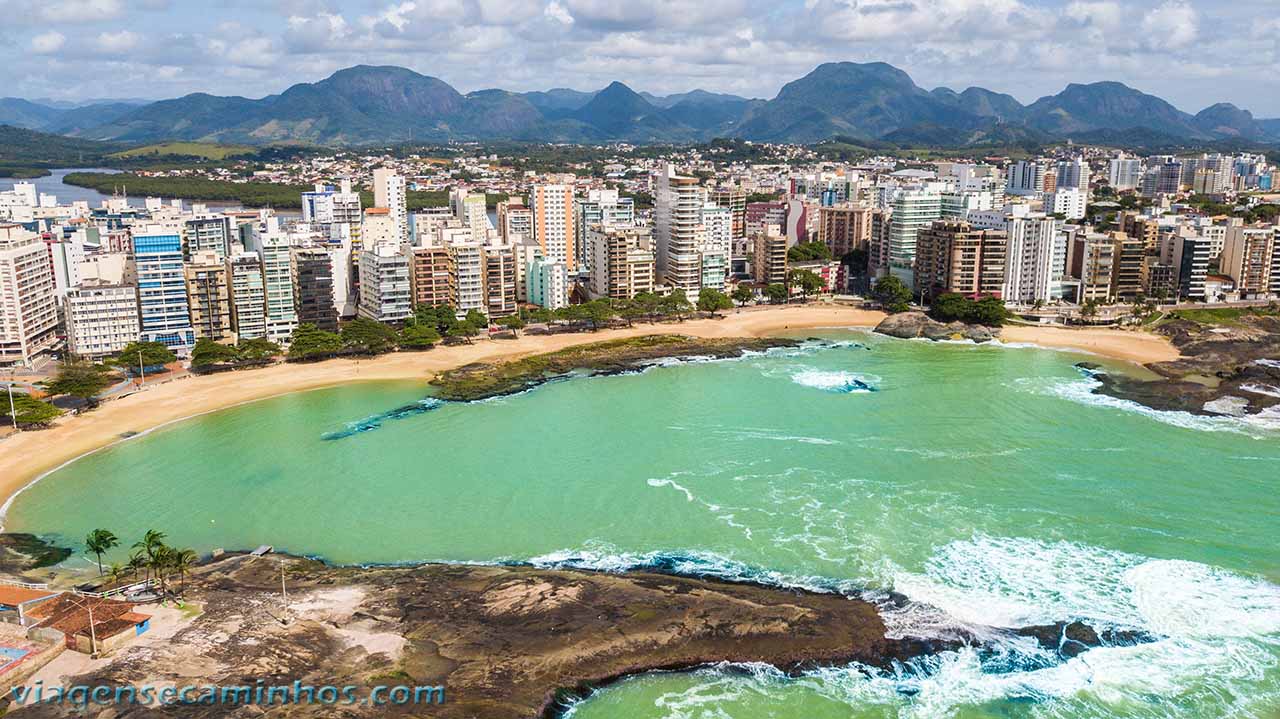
point(949, 307)
point(597, 312)
point(83, 380)
point(512, 322)
point(477, 319)
point(115, 574)
point(988, 311)
point(856, 260)
point(539, 315)
point(31, 411)
point(650, 304)
point(418, 337)
point(151, 354)
point(808, 252)
point(99, 542)
point(677, 303)
point(207, 353)
point(181, 561)
point(807, 281)
point(150, 546)
point(310, 342)
point(743, 293)
point(257, 349)
point(891, 294)
point(464, 330)
point(713, 300)
point(365, 336)
point(441, 317)
point(1089, 308)
point(777, 293)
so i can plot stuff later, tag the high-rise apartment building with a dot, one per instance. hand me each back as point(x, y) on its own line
point(248, 296)
point(736, 202)
point(313, 287)
point(466, 277)
point(1249, 257)
point(514, 220)
point(212, 234)
point(389, 192)
point(553, 227)
point(101, 318)
point(913, 210)
point(548, 283)
point(429, 280)
point(28, 305)
point(769, 256)
point(622, 262)
point(845, 227)
point(953, 256)
point(162, 290)
point(679, 234)
point(209, 295)
point(500, 280)
point(599, 207)
point(384, 284)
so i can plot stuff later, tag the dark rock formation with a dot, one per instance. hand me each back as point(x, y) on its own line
point(506, 642)
point(909, 325)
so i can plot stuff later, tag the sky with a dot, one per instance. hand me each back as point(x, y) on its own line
point(1191, 52)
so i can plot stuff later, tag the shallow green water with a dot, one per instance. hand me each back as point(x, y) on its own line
point(985, 481)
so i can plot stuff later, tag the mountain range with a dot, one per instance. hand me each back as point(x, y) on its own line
point(366, 105)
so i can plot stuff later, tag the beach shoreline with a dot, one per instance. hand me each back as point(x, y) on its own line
point(28, 456)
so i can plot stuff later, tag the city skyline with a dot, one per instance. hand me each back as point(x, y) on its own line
point(63, 50)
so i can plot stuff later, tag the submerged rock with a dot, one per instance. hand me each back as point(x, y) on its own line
point(910, 325)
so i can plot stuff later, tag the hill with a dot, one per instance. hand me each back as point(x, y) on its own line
point(27, 153)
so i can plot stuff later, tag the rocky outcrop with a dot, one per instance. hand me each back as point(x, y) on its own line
point(506, 642)
point(910, 325)
point(1224, 369)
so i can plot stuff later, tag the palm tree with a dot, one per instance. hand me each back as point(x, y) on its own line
point(162, 562)
point(150, 542)
point(137, 561)
point(183, 560)
point(115, 573)
point(100, 541)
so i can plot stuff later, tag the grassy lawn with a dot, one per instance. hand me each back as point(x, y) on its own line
point(207, 150)
point(1224, 316)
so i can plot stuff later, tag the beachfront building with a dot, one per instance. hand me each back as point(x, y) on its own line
point(466, 277)
point(164, 312)
point(101, 318)
point(209, 295)
point(548, 283)
point(313, 288)
point(500, 280)
point(248, 296)
point(429, 276)
point(277, 277)
point(553, 229)
point(622, 262)
point(769, 256)
point(28, 305)
point(1249, 257)
point(913, 210)
point(955, 257)
point(678, 232)
point(384, 284)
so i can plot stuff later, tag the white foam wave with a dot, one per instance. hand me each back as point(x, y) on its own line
point(837, 381)
point(1262, 425)
point(1263, 389)
point(1267, 363)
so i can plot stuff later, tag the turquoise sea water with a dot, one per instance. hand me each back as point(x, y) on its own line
point(985, 481)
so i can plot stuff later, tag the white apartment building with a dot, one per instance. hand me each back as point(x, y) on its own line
point(548, 283)
point(385, 295)
point(1068, 202)
point(1125, 173)
point(466, 277)
point(679, 234)
point(389, 192)
point(101, 318)
point(248, 296)
point(28, 305)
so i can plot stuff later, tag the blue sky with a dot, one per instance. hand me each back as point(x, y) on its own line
point(1191, 52)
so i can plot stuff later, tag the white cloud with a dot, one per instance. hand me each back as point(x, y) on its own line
point(559, 13)
point(1173, 24)
point(48, 42)
point(116, 42)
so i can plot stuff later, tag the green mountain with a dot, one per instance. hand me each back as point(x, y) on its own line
point(27, 153)
point(1109, 106)
point(367, 105)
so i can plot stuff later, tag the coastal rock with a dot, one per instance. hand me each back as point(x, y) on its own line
point(910, 325)
point(1224, 370)
point(506, 642)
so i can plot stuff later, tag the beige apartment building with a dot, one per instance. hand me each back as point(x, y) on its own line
point(953, 256)
point(28, 305)
point(209, 295)
point(622, 262)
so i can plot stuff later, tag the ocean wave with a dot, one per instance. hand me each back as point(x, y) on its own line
point(1262, 425)
point(372, 422)
point(835, 381)
point(1262, 389)
point(1267, 363)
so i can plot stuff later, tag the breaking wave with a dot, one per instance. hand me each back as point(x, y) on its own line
point(372, 422)
point(835, 381)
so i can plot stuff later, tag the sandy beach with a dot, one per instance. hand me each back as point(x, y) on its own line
point(30, 454)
